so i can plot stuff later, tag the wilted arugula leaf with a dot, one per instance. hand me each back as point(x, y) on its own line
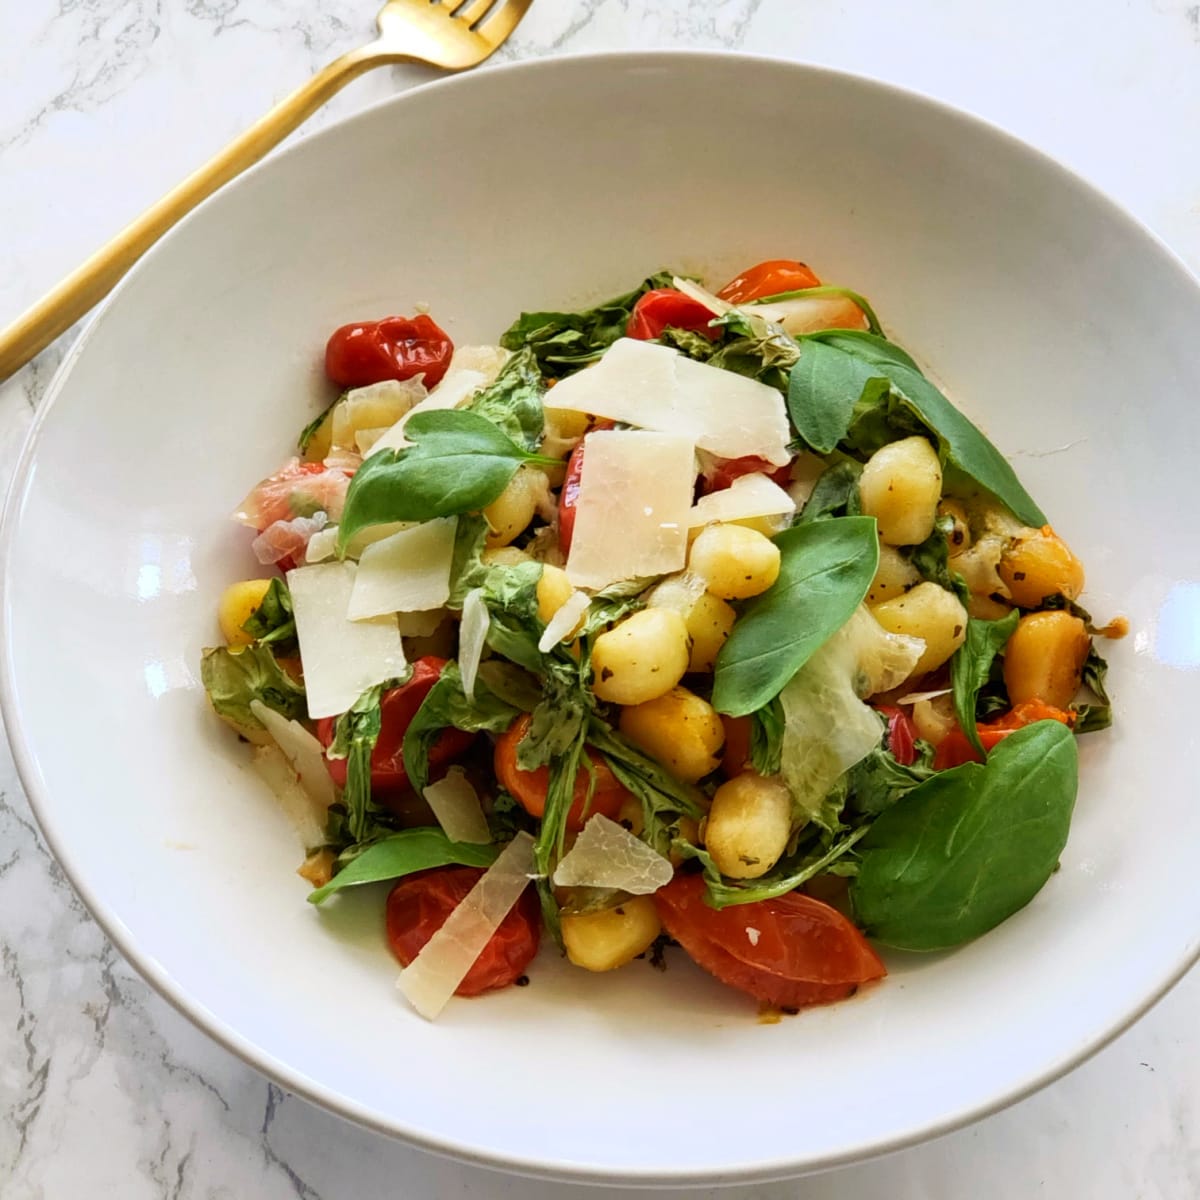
point(272, 621)
point(971, 667)
point(835, 493)
point(354, 738)
point(878, 781)
point(766, 738)
point(1093, 717)
point(232, 678)
point(513, 402)
point(932, 560)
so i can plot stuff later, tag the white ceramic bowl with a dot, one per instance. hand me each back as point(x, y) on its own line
point(1057, 321)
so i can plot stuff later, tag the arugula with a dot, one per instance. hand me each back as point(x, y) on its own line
point(971, 668)
point(402, 854)
point(513, 401)
point(354, 738)
point(688, 342)
point(1092, 717)
point(835, 494)
point(825, 570)
point(232, 678)
point(767, 726)
point(932, 560)
point(755, 347)
point(310, 430)
point(861, 390)
point(272, 621)
point(562, 342)
point(969, 847)
point(467, 568)
point(879, 781)
point(459, 462)
point(446, 706)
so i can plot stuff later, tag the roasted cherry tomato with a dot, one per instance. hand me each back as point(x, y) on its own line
point(726, 470)
point(901, 738)
point(791, 951)
point(366, 352)
point(735, 757)
point(529, 787)
point(954, 749)
point(663, 307)
point(568, 497)
point(770, 278)
point(418, 906)
point(399, 705)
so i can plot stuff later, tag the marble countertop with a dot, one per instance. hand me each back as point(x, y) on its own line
point(104, 1089)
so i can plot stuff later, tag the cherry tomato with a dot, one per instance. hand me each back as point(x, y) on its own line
point(529, 787)
point(663, 307)
point(399, 705)
point(366, 352)
point(418, 906)
point(735, 758)
point(726, 470)
point(568, 497)
point(901, 738)
point(802, 951)
point(954, 749)
point(770, 278)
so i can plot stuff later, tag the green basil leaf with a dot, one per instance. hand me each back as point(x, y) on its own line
point(689, 342)
point(402, 854)
point(971, 846)
point(272, 621)
point(835, 493)
point(823, 388)
point(459, 462)
point(1093, 717)
point(513, 402)
point(467, 568)
point(767, 726)
point(971, 666)
point(825, 570)
point(232, 678)
point(870, 347)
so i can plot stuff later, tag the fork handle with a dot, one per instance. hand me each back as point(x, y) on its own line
point(89, 283)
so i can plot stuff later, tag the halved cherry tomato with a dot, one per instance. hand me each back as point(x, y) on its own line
point(663, 307)
point(770, 278)
point(399, 705)
point(529, 787)
point(901, 737)
point(366, 352)
point(791, 951)
point(735, 758)
point(954, 749)
point(726, 470)
point(418, 906)
point(568, 497)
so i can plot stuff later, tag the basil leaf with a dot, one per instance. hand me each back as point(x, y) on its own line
point(932, 560)
point(823, 389)
point(689, 342)
point(513, 402)
point(232, 678)
point(467, 568)
point(272, 621)
point(1093, 717)
point(825, 570)
point(871, 347)
point(446, 706)
point(971, 846)
point(563, 342)
point(460, 462)
point(354, 738)
point(971, 665)
point(404, 853)
point(835, 493)
point(766, 738)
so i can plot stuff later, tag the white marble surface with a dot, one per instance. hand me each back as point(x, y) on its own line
point(104, 1090)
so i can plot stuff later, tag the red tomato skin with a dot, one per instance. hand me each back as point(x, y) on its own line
point(663, 307)
point(770, 278)
point(529, 787)
point(399, 705)
point(954, 749)
point(729, 469)
point(735, 757)
point(805, 952)
point(366, 352)
point(901, 737)
point(568, 497)
point(417, 907)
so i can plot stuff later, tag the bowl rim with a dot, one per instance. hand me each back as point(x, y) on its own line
point(288, 1077)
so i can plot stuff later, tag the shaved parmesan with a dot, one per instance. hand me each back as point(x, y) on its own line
point(635, 493)
point(442, 964)
point(607, 855)
point(753, 934)
point(407, 572)
point(917, 697)
point(654, 387)
point(341, 658)
point(420, 624)
point(754, 495)
point(487, 360)
point(306, 815)
point(302, 750)
point(564, 622)
point(321, 545)
point(456, 388)
point(679, 593)
point(364, 439)
point(377, 406)
point(702, 296)
point(472, 635)
point(456, 806)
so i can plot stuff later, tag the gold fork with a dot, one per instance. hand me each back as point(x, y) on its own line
point(454, 34)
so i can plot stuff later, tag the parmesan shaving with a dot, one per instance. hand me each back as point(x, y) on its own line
point(377, 406)
point(753, 934)
point(702, 296)
point(457, 808)
point(635, 493)
point(455, 389)
point(321, 545)
point(607, 855)
point(753, 495)
point(472, 636)
point(341, 658)
point(442, 964)
point(680, 593)
point(302, 750)
point(420, 624)
point(407, 572)
point(487, 360)
point(563, 624)
point(306, 816)
point(917, 697)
